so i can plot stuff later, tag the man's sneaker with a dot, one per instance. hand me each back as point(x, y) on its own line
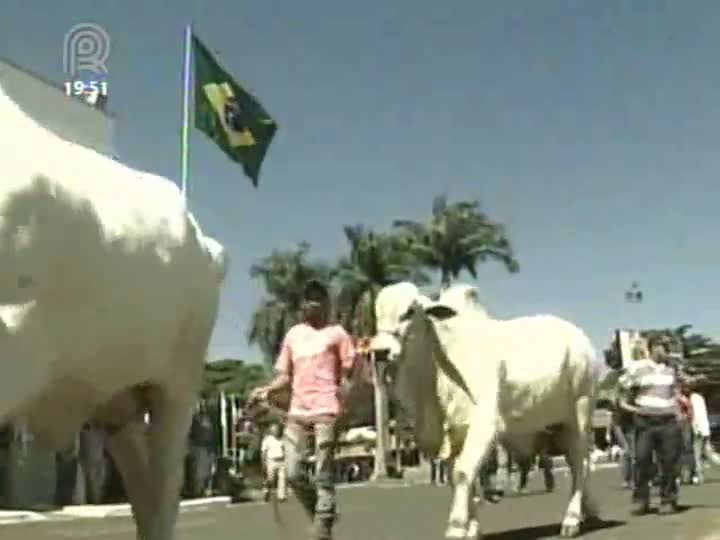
point(695, 480)
point(640, 508)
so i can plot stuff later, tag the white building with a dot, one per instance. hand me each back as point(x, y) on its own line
point(32, 469)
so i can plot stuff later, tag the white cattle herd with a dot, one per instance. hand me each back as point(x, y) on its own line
point(109, 294)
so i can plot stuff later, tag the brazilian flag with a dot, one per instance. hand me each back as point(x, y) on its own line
point(229, 115)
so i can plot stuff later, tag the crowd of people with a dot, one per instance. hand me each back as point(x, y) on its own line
point(662, 425)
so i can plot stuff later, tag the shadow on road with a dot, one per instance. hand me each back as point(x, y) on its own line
point(549, 531)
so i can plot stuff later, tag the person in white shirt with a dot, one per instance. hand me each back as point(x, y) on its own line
point(273, 459)
point(702, 449)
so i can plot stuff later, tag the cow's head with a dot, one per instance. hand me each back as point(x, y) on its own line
point(408, 341)
point(394, 309)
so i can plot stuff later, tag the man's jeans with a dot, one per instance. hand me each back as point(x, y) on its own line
point(663, 435)
point(317, 500)
point(687, 460)
point(628, 463)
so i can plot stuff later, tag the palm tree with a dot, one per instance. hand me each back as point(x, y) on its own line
point(374, 261)
point(456, 238)
point(284, 275)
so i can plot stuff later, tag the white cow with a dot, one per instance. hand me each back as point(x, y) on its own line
point(456, 368)
point(109, 294)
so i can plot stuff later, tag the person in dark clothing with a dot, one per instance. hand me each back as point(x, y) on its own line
point(202, 453)
point(69, 489)
point(438, 470)
point(93, 462)
point(648, 391)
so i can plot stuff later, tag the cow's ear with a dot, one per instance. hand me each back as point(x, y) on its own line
point(440, 312)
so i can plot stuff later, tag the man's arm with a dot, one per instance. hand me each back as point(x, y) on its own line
point(347, 355)
point(283, 374)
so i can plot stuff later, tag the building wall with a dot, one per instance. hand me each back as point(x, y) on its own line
point(48, 105)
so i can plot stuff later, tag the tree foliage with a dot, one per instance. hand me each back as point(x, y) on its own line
point(456, 238)
point(232, 377)
point(373, 262)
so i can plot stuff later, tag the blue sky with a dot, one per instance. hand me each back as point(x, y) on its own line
point(590, 128)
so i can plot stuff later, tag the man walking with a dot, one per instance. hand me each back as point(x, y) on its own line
point(648, 390)
point(315, 361)
point(273, 459)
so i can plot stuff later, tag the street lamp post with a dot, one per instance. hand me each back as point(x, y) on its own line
point(379, 364)
point(634, 294)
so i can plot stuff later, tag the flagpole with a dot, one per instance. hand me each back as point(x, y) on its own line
point(185, 113)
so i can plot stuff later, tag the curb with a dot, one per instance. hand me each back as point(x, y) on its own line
point(123, 510)
point(10, 517)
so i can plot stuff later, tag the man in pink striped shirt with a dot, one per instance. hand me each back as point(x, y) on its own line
point(315, 360)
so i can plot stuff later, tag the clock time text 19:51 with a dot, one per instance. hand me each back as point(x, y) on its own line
point(79, 88)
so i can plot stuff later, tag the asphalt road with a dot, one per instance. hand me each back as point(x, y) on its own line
point(416, 513)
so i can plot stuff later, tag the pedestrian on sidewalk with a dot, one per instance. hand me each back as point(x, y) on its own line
point(315, 361)
point(648, 390)
point(702, 449)
point(438, 471)
point(685, 417)
point(202, 453)
point(272, 453)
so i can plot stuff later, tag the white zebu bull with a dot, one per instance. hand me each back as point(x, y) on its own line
point(482, 378)
point(109, 294)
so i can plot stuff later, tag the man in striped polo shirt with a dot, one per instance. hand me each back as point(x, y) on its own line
point(649, 389)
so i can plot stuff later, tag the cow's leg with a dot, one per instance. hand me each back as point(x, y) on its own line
point(473, 529)
point(477, 443)
point(129, 451)
point(169, 426)
point(576, 436)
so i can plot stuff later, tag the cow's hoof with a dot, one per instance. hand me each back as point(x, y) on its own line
point(456, 531)
point(570, 527)
point(473, 530)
